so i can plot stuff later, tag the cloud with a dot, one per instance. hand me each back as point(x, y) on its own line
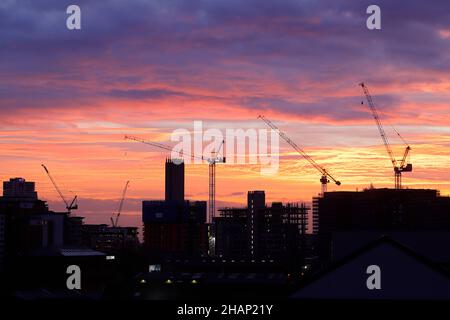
point(279, 53)
point(145, 94)
point(148, 67)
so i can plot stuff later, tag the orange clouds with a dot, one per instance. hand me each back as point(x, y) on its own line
point(66, 100)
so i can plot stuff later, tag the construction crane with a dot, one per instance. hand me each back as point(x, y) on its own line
point(212, 180)
point(212, 168)
point(326, 176)
point(73, 205)
point(115, 222)
point(398, 168)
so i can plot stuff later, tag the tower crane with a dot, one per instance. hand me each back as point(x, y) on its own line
point(211, 164)
point(398, 168)
point(212, 180)
point(73, 205)
point(115, 222)
point(326, 176)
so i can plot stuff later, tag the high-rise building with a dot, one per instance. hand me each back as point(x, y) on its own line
point(174, 180)
point(383, 209)
point(315, 215)
point(232, 233)
point(26, 223)
point(175, 225)
point(19, 188)
point(261, 231)
point(371, 213)
point(256, 202)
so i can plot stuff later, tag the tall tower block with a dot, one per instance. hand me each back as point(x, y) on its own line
point(174, 180)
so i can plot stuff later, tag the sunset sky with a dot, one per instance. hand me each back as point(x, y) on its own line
point(146, 68)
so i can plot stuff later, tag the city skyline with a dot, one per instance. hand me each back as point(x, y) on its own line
point(149, 68)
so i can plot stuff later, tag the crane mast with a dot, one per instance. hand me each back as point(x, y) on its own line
point(324, 180)
point(212, 180)
point(73, 204)
point(211, 168)
point(398, 168)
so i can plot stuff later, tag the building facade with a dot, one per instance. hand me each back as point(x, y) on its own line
point(26, 224)
point(261, 231)
point(109, 239)
point(371, 213)
point(175, 228)
point(174, 180)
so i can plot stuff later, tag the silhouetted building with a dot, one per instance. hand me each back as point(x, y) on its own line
point(158, 211)
point(173, 227)
point(26, 224)
point(73, 226)
point(377, 212)
point(108, 239)
point(18, 188)
point(261, 231)
point(232, 232)
point(382, 269)
point(282, 230)
point(174, 180)
point(315, 215)
point(406, 209)
point(32, 235)
point(49, 273)
point(45, 230)
point(256, 202)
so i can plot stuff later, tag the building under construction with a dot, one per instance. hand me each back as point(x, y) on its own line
point(261, 231)
point(363, 216)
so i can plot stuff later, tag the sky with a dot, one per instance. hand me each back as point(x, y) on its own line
point(147, 68)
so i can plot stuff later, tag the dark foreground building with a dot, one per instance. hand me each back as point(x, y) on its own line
point(110, 239)
point(26, 224)
point(37, 245)
point(381, 270)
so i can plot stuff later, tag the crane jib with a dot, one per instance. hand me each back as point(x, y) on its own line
point(301, 152)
